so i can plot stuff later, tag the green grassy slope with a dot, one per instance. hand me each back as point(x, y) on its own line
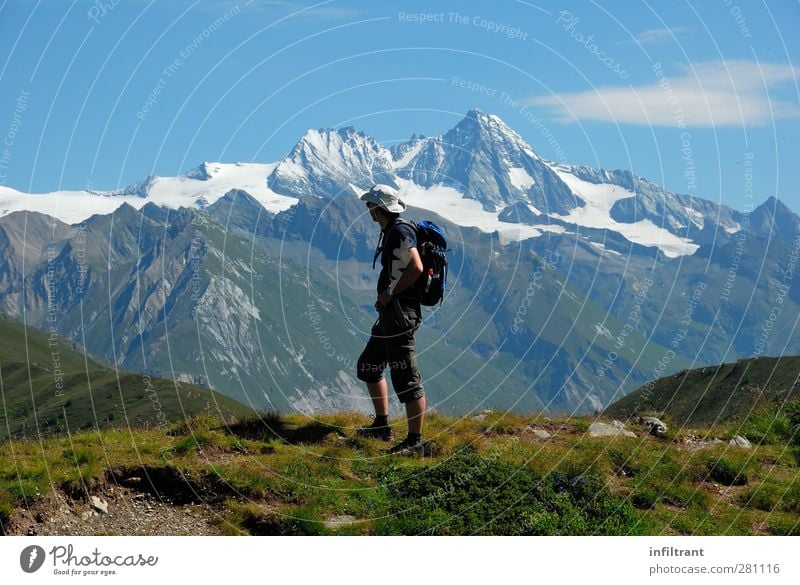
point(50, 386)
point(716, 394)
point(485, 475)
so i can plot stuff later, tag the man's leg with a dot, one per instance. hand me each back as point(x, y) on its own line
point(379, 393)
point(415, 413)
point(369, 369)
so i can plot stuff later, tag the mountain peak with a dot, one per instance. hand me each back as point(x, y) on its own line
point(331, 161)
point(137, 189)
point(478, 128)
point(774, 215)
point(476, 116)
point(204, 172)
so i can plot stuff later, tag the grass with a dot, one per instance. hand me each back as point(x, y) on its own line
point(272, 474)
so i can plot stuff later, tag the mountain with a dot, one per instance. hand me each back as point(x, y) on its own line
point(197, 188)
point(487, 161)
point(332, 163)
point(716, 394)
point(51, 387)
point(567, 289)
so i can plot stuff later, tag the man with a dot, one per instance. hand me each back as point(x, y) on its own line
point(391, 342)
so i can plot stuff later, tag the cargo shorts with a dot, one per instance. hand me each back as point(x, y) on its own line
point(391, 344)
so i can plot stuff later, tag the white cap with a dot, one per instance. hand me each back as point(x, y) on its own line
point(386, 197)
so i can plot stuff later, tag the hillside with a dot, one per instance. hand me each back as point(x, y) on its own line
point(728, 392)
point(490, 474)
point(49, 387)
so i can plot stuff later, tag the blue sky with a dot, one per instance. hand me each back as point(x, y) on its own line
point(701, 97)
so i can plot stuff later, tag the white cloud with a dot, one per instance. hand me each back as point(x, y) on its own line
point(653, 36)
point(301, 9)
point(310, 9)
point(715, 93)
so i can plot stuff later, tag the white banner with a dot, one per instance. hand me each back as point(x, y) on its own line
point(401, 560)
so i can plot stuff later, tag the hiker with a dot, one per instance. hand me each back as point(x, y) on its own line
point(391, 341)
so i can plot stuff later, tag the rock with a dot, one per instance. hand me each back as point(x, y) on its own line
point(656, 427)
point(538, 433)
point(616, 428)
point(479, 417)
point(694, 442)
point(336, 522)
point(99, 505)
point(86, 515)
point(740, 441)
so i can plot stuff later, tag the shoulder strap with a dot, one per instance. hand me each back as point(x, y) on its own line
point(384, 237)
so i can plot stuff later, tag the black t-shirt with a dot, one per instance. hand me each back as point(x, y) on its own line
point(396, 256)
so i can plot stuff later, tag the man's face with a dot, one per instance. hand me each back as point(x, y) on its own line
point(373, 211)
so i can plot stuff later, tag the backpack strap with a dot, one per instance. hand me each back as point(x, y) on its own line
point(384, 237)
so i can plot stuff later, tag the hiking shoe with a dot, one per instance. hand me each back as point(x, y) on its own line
point(376, 431)
point(407, 447)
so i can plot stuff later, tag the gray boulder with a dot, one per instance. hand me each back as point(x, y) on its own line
point(538, 433)
point(740, 441)
point(99, 505)
point(656, 427)
point(616, 428)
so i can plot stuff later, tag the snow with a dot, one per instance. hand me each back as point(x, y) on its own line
point(602, 249)
point(174, 192)
point(409, 155)
point(520, 178)
point(732, 229)
point(601, 329)
point(453, 206)
point(529, 152)
point(533, 210)
point(600, 198)
point(696, 217)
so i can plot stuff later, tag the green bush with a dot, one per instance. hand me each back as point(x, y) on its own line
point(726, 472)
point(788, 525)
point(645, 498)
point(764, 497)
point(467, 494)
point(773, 497)
point(581, 425)
point(196, 442)
point(774, 424)
point(792, 411)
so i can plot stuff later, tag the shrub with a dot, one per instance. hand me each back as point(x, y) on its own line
point(788, 525)
point(467, 494)
point(726, 472)
point(196, 442)
point(773, 424)
point(764, 497)
point(645, 498)
point(581, 425)
point(773, 497)
point(792, 411)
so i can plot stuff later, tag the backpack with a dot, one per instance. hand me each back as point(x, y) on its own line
point(432, 247)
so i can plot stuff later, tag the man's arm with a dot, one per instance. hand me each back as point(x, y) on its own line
point(410, 274)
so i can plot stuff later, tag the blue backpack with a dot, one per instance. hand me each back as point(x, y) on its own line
point(432, 247)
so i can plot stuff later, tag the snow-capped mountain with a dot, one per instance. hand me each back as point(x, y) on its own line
point(197, 188)
point(256, 279)
point(485, 160)
point(332, 162)
point(480, 174)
